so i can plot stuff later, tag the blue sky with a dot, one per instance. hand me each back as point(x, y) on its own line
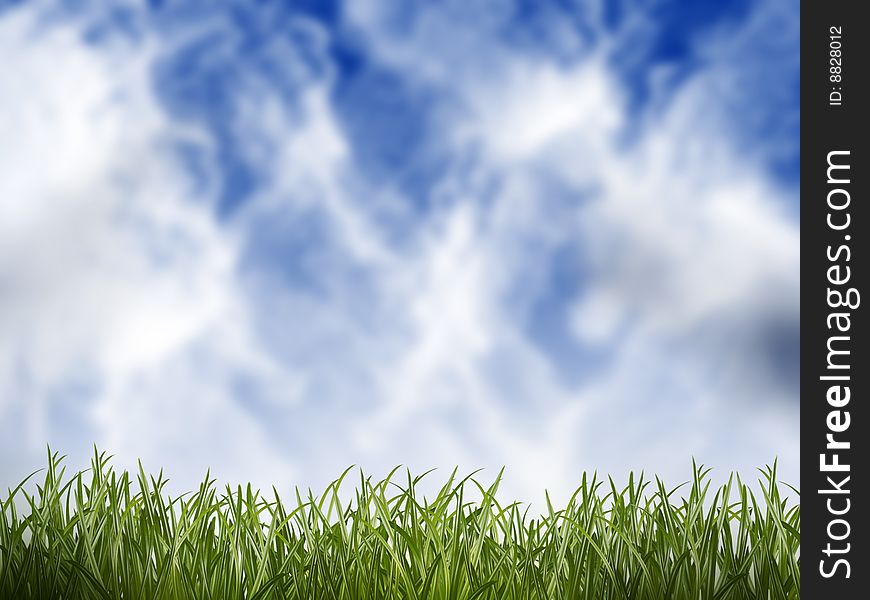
point(278, 238)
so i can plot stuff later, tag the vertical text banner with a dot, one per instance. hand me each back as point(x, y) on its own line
point(834, 263)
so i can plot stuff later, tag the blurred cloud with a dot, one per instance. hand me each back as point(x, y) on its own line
point(112, 279)
point(278, 241)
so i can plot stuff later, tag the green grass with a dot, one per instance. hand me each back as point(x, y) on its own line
point(102, 533)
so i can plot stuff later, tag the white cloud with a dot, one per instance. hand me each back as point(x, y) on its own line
point(415, 352)
point(110, 274)
point(540, 105)
point(681, 232)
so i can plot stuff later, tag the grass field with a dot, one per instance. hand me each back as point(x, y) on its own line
point(108, 534)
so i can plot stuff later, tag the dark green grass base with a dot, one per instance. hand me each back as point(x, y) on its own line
point(108, 534)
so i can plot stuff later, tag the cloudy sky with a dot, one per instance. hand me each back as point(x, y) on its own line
point(276, 238)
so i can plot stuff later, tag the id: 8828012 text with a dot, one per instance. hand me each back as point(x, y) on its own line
point(835, 65)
